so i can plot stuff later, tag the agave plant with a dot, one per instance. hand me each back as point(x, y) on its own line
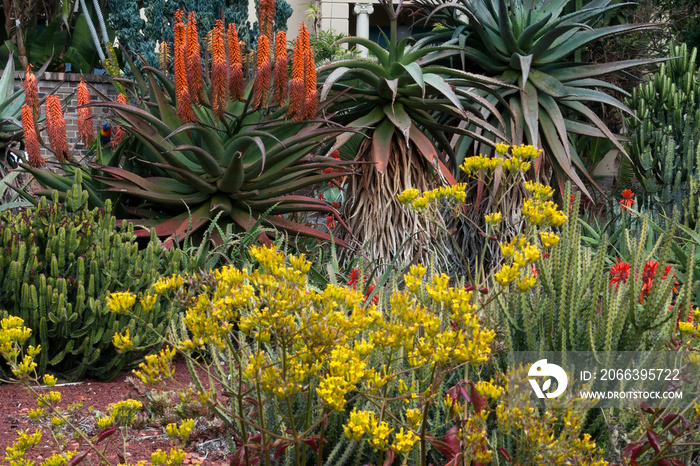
point(204, 147)
point(397, 98)
point(531, 44)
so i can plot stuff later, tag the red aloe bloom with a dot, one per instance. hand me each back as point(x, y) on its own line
point(219, 71)
point(335, 154)
point(534, 271)
point(619, 272)
point(336, 205)
point(311, 99)
point(193, 59)
point(321, 196)
point(31, 139)
point(86, 132)
point(627, 201)
point(31, 90)
point(261, 86)
point(236, 86)
point(297, 87)
point(56, 128)
point(280, 80)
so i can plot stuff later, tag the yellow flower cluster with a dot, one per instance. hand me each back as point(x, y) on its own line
point(520, 160)
point(14, 454)
point(412, 198)
point(363, 423)
point(404, 441)
point(489, 389)
point(122, 342)
point(121, 302)
point(686, 327)
point(124, 412)
point(539, 209)
point(165, 284)
point(175, 457)
point(182, 431)
point(545, 436)
point(156, 367)
point(494, 218)
point(521, 253)
point(13, 335)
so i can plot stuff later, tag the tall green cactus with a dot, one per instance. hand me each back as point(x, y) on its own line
point(58, 263)
point(665, 140)
point(575, 308)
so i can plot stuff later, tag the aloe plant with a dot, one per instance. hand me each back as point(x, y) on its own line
point(397, 99)
point(532, 44)
point(236, 159)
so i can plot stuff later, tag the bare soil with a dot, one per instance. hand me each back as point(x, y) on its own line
point(207, 444)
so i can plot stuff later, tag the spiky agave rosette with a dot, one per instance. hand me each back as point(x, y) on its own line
point(215, 144)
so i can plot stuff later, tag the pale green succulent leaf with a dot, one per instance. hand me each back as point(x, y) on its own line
point(439, 84)
point(575, 72)
point(526, 39)
point(530, 106)
point(591, 95)
point(399, 117)
point(414, 70)
point(522, 63)
point(547, 84)
point(376, 49)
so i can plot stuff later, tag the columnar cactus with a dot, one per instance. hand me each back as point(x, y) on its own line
point(59, 261)
point(665, 140)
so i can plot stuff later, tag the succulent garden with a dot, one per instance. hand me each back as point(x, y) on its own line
point(325, 250)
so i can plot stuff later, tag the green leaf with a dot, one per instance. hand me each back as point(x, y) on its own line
point(441, 86)
point(399, 117)
point(416, 73)
point(233, 176)
point(548, 84)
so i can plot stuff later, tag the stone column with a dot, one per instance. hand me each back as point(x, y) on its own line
point(363, 10)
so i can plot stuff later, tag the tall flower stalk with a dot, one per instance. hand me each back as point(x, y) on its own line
point(31, 90)
point(31, 139)
point(56, 128)
point(86, 132)
point(219, 71)
point(236, 84)
point(280, 72)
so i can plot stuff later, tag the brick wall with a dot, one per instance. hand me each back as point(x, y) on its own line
point(67, 85)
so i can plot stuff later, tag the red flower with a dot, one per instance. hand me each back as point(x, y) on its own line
point(353, 278)
point(370, 289)
point(336, 205)
point(627, 201)
point(335, 154)
point(321, 196)
point(330, 221)
point(328, 170)
point(667, 270)
point(648, 274)
point(619, 272)
point(534, 271)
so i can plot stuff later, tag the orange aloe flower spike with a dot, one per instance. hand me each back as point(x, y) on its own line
point(297, 88)
point(280, 72)
point(31, 90)
point(219, 71)
point(311, 101)
point(263, 74)
point(236, 84)
point(184, 109)
point(86, 132)
point(193, 59)
point(56, 128)
point(119, 131)
point(31, 139)
point(266, 17)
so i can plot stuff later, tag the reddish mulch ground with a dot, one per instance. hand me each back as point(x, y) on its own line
point(207, 444)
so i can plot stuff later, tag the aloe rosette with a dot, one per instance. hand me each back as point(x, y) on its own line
point(215, 145)
point(398, 98)
point(532, 44)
